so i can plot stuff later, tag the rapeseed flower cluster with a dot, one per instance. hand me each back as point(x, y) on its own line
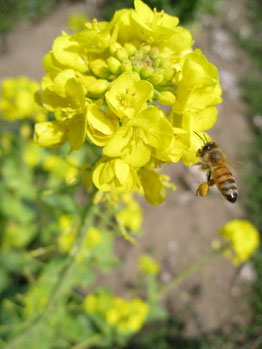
point(124, 315)
point(131, 215)
point(17, 100)
point(109, 81)
point(243, 238)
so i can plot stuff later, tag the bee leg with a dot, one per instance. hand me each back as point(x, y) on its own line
point(202, 189)
point(210, 180)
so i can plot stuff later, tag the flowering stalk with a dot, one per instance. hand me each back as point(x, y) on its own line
point(62, 286)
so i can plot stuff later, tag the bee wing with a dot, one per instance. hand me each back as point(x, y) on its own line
point(236, 164)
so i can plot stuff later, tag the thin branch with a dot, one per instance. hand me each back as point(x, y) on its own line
point(193, 268)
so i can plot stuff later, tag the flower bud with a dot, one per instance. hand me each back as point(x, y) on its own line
point(126, 66)
point(146, 72)
point(168, 74)
point(156, 78)
point(121, 54)
point(98, 87)
point(157, 62)
point(166, 98)
point(139, 54)
point(146, 49)
point(130, 48)
point(114, 65)
point(114, 46)
point(154, 53)
point(99, 68)
point(138, 67)
point(166, 64)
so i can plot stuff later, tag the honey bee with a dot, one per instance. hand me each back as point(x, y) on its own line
point(214, 161)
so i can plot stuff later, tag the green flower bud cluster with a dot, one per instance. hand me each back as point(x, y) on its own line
point(144, 60)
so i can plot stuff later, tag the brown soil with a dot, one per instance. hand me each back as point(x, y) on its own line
point(180, 230)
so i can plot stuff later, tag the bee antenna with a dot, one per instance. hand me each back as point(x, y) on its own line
point(199, 136)
point(205, 137)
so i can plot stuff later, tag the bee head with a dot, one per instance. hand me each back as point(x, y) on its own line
point(206, 148)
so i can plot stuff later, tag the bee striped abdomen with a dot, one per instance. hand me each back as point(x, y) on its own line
point(225, 182)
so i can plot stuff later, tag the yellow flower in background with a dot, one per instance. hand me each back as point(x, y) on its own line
point(17, 100)
point(126, 316)
point(243, 238)
point(148, 265)
point(33, 155)
point(93, 239)
point(65, 169)
point(68, 233)
point(131, 215)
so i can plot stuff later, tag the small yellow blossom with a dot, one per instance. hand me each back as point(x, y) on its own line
point(114, 174)
point(65, 169)
point(68, 234)
point(128, 95)
point(93, 238)
point(153, 187)
point(17, 99)
point(148, 265)
point(126, 316)
point(243, 238)
point(131, 215)
point(32, 155)
point(50, 134)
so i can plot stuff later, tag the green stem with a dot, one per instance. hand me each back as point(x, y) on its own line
point(88, 343)
point(61, 288)
point(193, 268)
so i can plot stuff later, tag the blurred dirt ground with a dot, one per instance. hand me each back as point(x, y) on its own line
point(180, 230)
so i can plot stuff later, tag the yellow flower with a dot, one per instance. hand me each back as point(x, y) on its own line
point(114, 174)
point(101, 126)
point(50, 134)
point(64, 169)
point(68, 235)
point(126, 316)
point(105, 81)
point(93, 238)
point(67, 52)
point(131, 215)
point(32, 155)
point(189, 156)
point(135, 140)
point(148, 265)
point(153, 188)
point(156, 26)
point(197, 91)
point(128, 95)
point(17, 100)
point(243, 238)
